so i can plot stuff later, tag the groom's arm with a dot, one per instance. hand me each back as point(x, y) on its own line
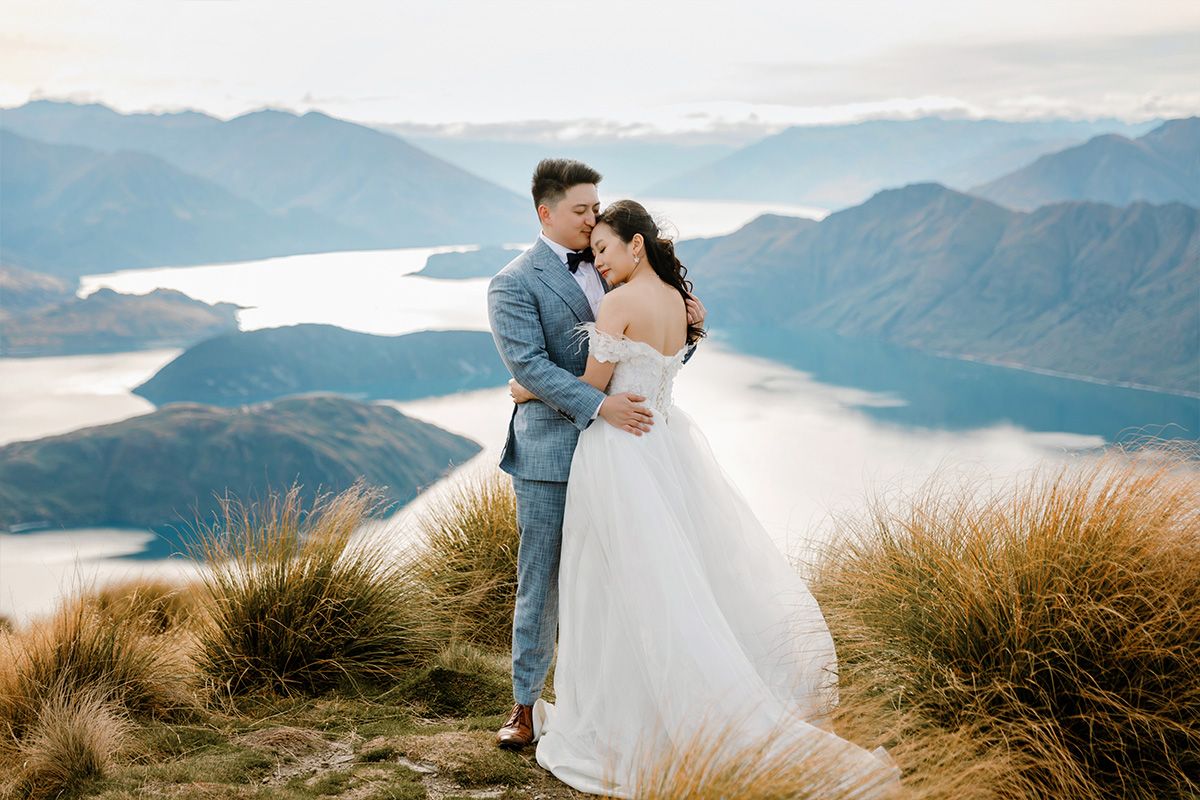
point(517, 329)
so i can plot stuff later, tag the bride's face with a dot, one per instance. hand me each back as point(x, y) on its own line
point(614, 258)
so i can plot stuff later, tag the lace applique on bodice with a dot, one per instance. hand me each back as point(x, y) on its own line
point(640, 368)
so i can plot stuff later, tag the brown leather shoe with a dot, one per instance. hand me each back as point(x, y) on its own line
point(518, 731)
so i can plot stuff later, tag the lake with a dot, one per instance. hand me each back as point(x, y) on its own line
point(808, 425)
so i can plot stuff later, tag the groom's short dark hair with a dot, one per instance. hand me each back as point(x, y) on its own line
point(554, 176)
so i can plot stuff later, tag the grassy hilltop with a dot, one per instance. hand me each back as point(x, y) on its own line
point(1039, 641)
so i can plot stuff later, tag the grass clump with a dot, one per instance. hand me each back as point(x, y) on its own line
point(333, 783)
point(1060, 620)
point(294, 604)
point(715, 767)
point(386, 752)
point(79, 653)
point(460, 681)
point(72, 741)
point(493, 768)
point(470, 558)
point(155, 605)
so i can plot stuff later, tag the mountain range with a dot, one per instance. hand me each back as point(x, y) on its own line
point(627, 165)
point(70, 211)
point(169, 468)
point(1103, 285)
point(1163, 166)
point(328, 184)
point(252, 366)
point(835, 166)
point(1079, 288)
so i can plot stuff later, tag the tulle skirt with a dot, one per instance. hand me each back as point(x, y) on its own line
point(680, 622)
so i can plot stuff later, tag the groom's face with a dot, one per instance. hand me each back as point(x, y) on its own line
point(570, 221)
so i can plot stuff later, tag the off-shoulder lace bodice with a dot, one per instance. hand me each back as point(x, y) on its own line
point(640, 368)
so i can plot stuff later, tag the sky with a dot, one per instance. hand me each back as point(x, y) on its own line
point(537, 69)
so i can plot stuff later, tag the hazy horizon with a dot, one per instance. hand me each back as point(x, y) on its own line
point(689, 72)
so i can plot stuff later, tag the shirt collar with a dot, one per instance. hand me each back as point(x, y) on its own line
point(558, 249)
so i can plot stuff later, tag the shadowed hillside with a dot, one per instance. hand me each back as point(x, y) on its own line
point(1161, 167)
point(1082, 288)
point(251, 366)
point(168, 468)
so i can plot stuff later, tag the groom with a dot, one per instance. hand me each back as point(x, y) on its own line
point(534, 305)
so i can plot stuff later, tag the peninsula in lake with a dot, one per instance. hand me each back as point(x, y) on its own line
point(482, 263)
point(106, 322)
point(252, 366)
point(170, 467)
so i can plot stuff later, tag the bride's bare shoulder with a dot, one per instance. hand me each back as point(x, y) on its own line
point(619, 299)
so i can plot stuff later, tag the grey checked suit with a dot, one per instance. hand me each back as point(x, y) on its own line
point(534, 304)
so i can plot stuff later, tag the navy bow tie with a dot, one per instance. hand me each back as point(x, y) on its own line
point(574, 259)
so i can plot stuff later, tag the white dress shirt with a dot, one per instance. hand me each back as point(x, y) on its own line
point(586, 275)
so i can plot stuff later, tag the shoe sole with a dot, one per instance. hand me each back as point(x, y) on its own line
point(508, 745)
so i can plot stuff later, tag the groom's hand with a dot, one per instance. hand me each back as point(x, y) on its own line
point(623, 412)
point(696, 312)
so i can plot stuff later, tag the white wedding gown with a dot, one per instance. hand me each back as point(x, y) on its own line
point(677, 614)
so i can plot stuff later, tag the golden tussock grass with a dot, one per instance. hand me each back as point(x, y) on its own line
point(78, 652)
point(1055, 624)
point(74, 738)
point(712, 766)
point(155, 605)
point(469, 558)
point(293, 602)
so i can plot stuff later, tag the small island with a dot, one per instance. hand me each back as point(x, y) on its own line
point(108, 322)
point(482, 263)
point(253, 366)
point(169, 468)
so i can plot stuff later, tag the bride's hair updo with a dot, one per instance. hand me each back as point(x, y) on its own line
point(627, 217)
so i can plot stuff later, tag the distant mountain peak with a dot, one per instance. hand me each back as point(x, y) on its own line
point(838, 166)
point(1161, 166)
point(917, 195)
point(267, 113)
point(267, 183)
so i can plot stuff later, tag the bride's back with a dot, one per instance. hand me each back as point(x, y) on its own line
point(657, 314)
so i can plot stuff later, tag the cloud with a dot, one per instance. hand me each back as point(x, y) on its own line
point(1116, 75)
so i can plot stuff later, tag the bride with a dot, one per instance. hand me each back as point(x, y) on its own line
point(676, 610)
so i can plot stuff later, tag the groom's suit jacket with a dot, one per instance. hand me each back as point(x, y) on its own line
point(534, 305)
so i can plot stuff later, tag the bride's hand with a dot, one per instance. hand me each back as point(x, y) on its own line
point(519, 393)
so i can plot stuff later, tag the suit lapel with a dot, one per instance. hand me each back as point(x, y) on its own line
point(555, 275)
